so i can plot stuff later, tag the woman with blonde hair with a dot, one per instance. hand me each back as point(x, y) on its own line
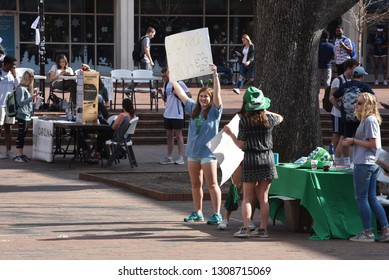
point(365, 143)
point(25, 96)
point(246, 58)
point(205, 115)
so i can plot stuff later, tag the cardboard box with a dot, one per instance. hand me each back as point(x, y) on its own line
point(87, 97)
point(297, 217)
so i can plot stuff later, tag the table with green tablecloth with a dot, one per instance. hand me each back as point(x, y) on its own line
point(328, 197)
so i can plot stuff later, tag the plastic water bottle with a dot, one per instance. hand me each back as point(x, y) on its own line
point(332, 152)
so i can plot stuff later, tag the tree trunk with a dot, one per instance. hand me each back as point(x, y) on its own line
point(286, 46)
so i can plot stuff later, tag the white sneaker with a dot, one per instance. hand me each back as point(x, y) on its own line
point(223, 225)
point(363, 237)
point(2, 156)
point(237, 91)
point(166, 160)
point(180, 161)
point(10, 155)
point(385, 82)
point(251, 225)
point(242, 233)
point(376, 82)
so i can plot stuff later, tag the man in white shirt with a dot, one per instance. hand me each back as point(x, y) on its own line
point(8, 81)
point(174, 118)
point(343, 47)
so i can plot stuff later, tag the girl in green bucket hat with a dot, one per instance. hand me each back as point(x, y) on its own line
point(255, 139)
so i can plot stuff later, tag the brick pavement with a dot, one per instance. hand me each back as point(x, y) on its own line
point(48, 213)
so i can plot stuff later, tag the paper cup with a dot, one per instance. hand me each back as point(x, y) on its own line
point(314, 164)
point(38, 102)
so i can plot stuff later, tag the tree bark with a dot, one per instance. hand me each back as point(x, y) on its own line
point(286, 46)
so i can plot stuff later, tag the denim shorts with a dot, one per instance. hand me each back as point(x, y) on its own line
point(202, 160)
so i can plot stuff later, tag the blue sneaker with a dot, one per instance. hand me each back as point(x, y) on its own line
point(194, 217)
point(215, 219)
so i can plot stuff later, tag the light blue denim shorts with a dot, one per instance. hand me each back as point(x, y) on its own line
point(202, 160)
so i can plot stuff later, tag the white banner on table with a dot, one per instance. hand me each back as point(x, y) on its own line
point(42, 143)
point(188, 54)
point(226, 152)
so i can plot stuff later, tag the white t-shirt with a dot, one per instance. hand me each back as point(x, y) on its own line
point(335, 85)
point(7, 84)
point(245, 52)
point(174, 108)
point(57, 71)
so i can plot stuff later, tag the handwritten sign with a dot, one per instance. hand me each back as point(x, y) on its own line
point(228, 155)
point(188, 54)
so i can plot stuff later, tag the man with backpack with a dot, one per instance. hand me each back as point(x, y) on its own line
point(146, 61)
point(8, 81)
point(347, 94)
point(336, 116)
point(344, 49)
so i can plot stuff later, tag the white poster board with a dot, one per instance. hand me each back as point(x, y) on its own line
point(228, 155)
point(42, 143)
point(188, 54)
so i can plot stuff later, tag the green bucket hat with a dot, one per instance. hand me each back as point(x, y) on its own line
point(255, 100)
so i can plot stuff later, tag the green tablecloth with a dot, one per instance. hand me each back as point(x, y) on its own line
point(328, 197)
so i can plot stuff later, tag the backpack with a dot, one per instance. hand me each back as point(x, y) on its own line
point(327, 105)
point(348, 101)
point(137, 53)
point(11, 104)
point(353, 54)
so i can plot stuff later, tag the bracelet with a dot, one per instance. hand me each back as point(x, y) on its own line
point(353, 141)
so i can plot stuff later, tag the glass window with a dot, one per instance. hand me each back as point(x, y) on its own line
point(159, 56)
point(83, 6)
point(105, 30)
point(82, 29)
point(104, 6)
point(27, 5)
point(173, 7)
point(26, 34)
point(29, 56)
point(167, 26)
point(241, 7)
point(8, 5)
point(217, 28)
point(57, 28)
point(240, 26)
point(216, 7)
point(371, 41)
point(57, 6)
point(105, 56)
point(83, 54)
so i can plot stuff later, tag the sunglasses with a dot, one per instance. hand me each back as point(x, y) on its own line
point(360, 103)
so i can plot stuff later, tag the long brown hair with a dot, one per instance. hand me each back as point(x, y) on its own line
point(197, 109)
point(62, 56)
point(258, 118)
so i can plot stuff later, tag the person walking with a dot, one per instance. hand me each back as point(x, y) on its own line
point(365, 143)
point(204, 121)
point(255, 139)
point(173, 118)
point(147, 61)
point(246, 57)
point(8, 81)
point(25, 96)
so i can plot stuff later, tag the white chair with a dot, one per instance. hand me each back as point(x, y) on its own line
point(121, 75)
point(383, 199)
point(122, 141)
point(143, 74)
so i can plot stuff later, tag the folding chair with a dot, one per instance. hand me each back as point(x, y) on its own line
point(121, 75)
point(143, 75)
point(121, 142)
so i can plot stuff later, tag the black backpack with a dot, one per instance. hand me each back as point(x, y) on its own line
point(137, 53)
point(327, 105)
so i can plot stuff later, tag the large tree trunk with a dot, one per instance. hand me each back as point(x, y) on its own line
point(286, 44)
